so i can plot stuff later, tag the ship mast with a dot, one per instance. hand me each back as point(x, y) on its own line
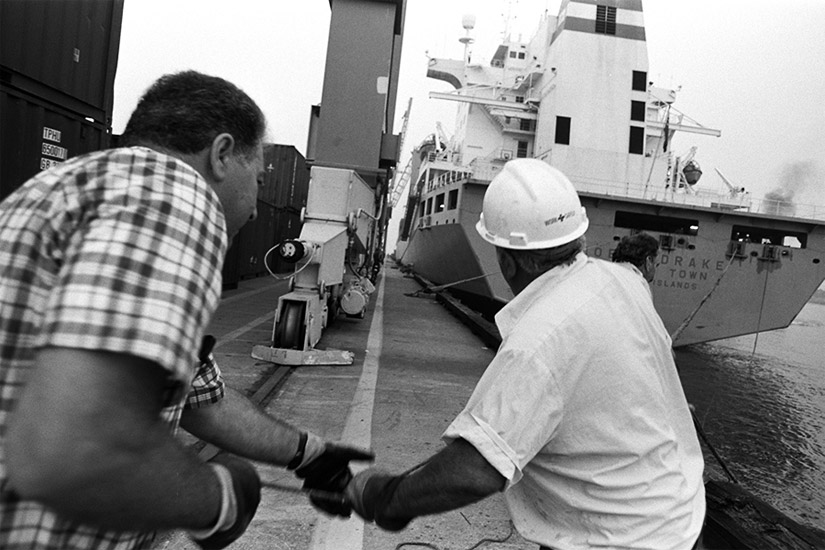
point(469, 23)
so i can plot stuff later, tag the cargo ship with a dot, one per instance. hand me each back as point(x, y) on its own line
point(578, 96)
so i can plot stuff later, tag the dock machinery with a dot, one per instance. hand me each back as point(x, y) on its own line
point(352, 152)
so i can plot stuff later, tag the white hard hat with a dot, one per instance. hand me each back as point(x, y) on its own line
point(531, 205)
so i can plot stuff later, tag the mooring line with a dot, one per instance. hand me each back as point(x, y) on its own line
point(689, 318)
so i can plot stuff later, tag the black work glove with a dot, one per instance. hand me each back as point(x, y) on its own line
point(370, 493)
point(324, 467)
point(241, 494)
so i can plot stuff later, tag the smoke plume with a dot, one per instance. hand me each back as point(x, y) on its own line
point(794, 179)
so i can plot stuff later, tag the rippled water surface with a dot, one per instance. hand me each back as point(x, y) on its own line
point(764, 411)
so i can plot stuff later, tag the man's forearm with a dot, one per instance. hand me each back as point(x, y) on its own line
point(104, 457)
point(162, 486)
point(455, 477)
point(239, 426)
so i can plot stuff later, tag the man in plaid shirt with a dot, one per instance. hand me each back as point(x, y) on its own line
point(110, 271)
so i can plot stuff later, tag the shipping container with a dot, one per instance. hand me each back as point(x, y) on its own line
point(35, 135)
point(280, 201)
point(254, 239)
point(63, 51)
point(287, 177)
point(57, 70)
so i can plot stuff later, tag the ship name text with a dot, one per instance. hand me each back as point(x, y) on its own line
point(676, 271)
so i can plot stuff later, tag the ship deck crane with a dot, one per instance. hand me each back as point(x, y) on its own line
point(401, 179)
point(734, 190)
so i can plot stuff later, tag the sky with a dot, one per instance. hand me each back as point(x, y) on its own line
point(753, 69)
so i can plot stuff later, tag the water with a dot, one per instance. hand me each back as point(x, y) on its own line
point(764, 412)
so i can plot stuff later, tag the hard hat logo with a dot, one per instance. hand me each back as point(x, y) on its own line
point(531, 205)
point(560, 218)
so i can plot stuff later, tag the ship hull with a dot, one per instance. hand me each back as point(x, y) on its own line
point(708, 285)
point(578, 96)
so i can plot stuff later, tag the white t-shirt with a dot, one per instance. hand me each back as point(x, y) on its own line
point(583, 412)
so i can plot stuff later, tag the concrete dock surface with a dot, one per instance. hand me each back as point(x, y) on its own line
point(415, 366)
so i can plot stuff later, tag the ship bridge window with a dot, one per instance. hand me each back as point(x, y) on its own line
point(640, 81)
point(452, 200)
point(563, 130)
point(429, 209)
point(636, 145)
point(521, 151)
point(439, 202)
point(661, 224)
point(637, 110)
point(764, 235)
point(606, 19)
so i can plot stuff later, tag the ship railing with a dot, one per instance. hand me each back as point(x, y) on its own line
point(448, 177)
point(790, 209)
point(485, 170)
point(450, 157)
point(741, 202)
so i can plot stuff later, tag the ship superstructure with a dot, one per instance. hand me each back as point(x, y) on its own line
point(578, 96)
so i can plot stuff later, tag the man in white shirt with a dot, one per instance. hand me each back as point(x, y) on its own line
point(580, 418)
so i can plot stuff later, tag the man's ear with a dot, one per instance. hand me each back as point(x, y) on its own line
point(220, 152)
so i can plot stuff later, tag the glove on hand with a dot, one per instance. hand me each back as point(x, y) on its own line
point(241, 493)
point(370, 493)
point(325, 466)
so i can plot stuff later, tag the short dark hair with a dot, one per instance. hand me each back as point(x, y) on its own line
point(635, 248)
point(185, 111)
point(538, 261)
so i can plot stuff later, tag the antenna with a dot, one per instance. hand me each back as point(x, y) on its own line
point(508, 17)
point(469, 23)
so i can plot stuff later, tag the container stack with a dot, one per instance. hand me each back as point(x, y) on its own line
point(280, 201)
point(57, 73)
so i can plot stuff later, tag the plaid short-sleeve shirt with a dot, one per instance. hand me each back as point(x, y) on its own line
point(119, 251)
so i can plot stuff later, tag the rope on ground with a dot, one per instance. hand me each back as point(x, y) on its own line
point(473, 547)
point(716, 455)
point(439, 288)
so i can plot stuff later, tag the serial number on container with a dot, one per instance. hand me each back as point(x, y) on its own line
point(54, 151)
point(48, 163)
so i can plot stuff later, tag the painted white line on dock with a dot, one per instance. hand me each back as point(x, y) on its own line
point(348, 534)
